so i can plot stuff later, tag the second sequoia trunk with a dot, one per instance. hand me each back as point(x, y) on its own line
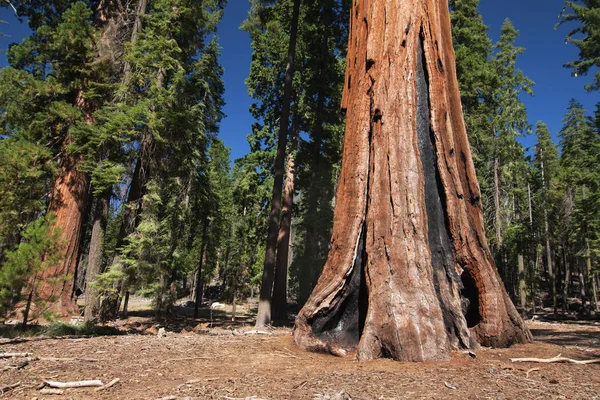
point(409, 275)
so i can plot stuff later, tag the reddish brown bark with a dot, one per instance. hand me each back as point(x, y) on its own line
point(68, 204)
point(409, 274)
point(71, 190)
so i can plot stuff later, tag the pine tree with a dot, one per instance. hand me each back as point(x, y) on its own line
point(580, 145)
point(586, 37)
point(547, 196)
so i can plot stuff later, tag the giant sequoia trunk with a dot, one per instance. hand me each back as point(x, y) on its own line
point(68, 203)
point(409, 274)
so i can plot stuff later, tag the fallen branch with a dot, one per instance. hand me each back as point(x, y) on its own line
point(192, 358)
point(557, 359)
point(8, 388)
point(51, 391)
point(257, 332)
point(54, 359)
point(19, 365)
point(449, 386)
point(41, 337)
point(15, 355)
point(77, 384)
point(108, 385)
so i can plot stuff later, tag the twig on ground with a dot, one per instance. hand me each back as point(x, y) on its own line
point(557, 359)
point(108, 385)
point(54, 359)
point(51, 391)
point(76, 384)
point(41, 337)
point(15, 355)
point(192, 358)
point(8, 388)
point(257, 332)
point(449, 386)
point(283, 354)
point(530, 371)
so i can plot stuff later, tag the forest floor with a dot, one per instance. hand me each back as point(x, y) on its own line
point(200, 359)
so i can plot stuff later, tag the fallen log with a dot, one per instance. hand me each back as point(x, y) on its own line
point(76, 384)
point(557, 359)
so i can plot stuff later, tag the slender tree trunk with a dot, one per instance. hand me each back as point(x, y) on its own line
point(591, 281)
point(595, 289)
point(408, 251)
point(498, 213)
point(263, 316)
point(28, 302)
point(565, 304)
point(233, 308)
point(94, 268)
point(283, 243)
point(550, 269)
point(522, 283)
point(199, 280)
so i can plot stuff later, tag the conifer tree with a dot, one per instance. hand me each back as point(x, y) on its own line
point(586, 36)
point(580, 146)
point(546, 164)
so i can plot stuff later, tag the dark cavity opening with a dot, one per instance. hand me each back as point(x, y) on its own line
point(343, 325)
point(440, 242)
point(370, 63)
point(470, 299)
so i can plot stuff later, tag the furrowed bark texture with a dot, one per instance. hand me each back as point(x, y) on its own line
point(94, 267)
point(68, 203)
point(409, 275)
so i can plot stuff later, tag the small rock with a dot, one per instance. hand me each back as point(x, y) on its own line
point(161, 333)
point(217, 306)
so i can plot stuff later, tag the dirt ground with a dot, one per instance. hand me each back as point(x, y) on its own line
point(220, 363)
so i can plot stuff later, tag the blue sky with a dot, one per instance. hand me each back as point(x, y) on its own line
point(542, 61)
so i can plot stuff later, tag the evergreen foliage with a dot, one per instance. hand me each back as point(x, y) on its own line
point(132, 94)
point(586, 36)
